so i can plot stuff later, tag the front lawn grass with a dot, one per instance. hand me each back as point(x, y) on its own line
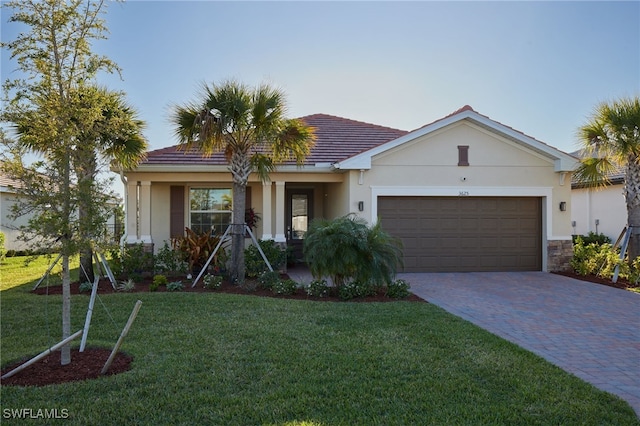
point(217, 359)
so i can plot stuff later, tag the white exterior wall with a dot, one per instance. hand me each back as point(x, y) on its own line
point(7, 226)
point(607, 206)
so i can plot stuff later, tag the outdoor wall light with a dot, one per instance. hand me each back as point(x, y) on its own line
point(563, 206)
point(360, 206)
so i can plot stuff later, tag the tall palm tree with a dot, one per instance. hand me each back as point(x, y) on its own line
point(249, 126)
point(611, 141)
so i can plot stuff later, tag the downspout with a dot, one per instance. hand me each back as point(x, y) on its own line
point(126, 210)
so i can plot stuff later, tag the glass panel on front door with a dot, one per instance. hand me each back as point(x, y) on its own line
point(299, 216)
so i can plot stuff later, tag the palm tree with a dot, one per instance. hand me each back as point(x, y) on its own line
point(611, 141)
point(108, 129)
point(249, 126)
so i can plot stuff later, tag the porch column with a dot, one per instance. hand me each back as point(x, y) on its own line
point(145, 212)
point(132, 213)
point(280, 213)
point(267, 234)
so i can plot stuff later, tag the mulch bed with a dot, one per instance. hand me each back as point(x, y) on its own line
point(105, 287)
point(88, 364)
point(620, 283)
point(84, 366)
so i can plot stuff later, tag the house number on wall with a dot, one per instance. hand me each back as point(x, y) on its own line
point(463, 193)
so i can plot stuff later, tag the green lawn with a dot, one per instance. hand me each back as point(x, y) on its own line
point(216, 359)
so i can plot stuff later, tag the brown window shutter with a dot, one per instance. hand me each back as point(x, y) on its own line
point(176, 218)
point(248, 198)
point(463, 155)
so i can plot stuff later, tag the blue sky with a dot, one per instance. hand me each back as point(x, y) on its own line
point(539, 67)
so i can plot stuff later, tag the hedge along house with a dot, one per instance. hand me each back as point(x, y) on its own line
point(464, 193)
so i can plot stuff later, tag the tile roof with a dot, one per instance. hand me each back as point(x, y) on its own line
point(616, 176)
point(337, 138)
point(469, 108)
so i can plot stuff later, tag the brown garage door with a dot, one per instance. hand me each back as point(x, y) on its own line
point(446, 234)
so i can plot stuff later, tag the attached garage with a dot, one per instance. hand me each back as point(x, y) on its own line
point(464, 234)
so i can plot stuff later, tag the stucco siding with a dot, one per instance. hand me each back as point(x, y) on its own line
point(428, 166)
point(7, 226)
point(607, 206)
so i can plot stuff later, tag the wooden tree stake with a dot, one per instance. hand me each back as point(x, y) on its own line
point(132, 317)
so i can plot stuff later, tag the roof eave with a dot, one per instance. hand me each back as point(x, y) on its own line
point(563, 162)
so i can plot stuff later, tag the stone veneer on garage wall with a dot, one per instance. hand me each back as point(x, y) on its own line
point(559, 254)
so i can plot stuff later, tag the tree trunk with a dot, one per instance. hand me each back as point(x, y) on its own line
point(632, 196)
point(86, 266)
point(85, 168)
point(65, 351)
point(237, 270)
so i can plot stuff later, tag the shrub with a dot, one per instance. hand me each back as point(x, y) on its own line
point(355, 289)
point(135, 261)
point(126, 285)
point(592, 237)
point(285, 287)
point(269, 279)
point(254, 263)
point(158, 280)
point(196, 248)
point(170, 261)
point(399, 289)
point(85, 287)
point(347, 249)
point(175, 286)
point(317, 288)
point(601, 260)
point(212, 282)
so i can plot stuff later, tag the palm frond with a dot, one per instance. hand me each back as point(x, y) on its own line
point(594, 172)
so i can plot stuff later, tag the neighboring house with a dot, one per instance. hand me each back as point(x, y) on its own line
point(599, 210)
point(7, 226)
point(10, 227)
point(464, 193)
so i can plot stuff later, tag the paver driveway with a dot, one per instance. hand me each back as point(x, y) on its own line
point(590, 330)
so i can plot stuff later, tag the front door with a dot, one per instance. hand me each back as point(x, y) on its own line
point(299, 215)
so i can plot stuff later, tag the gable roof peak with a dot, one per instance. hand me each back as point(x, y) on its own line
point(463, 109)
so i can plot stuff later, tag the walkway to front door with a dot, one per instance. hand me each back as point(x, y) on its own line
point(587, 329)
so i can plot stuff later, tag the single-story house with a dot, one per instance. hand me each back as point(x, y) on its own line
point(464, 193)
point(8, 226)
point(10, 196)
point(599, 210)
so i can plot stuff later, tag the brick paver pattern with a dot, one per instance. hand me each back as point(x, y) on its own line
point(589, 330)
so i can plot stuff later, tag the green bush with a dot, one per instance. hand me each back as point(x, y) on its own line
point(592, 237)
point(601, 260)
point(285, 287)
point(269, 279)
point(356, 289)
point(347, 249)
point(169, 261)
point(212, 282)
point(254, 263)
point(399, 289)
point(317, 288)
point(158, 280)
point(175, 286)
point(135, 262)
